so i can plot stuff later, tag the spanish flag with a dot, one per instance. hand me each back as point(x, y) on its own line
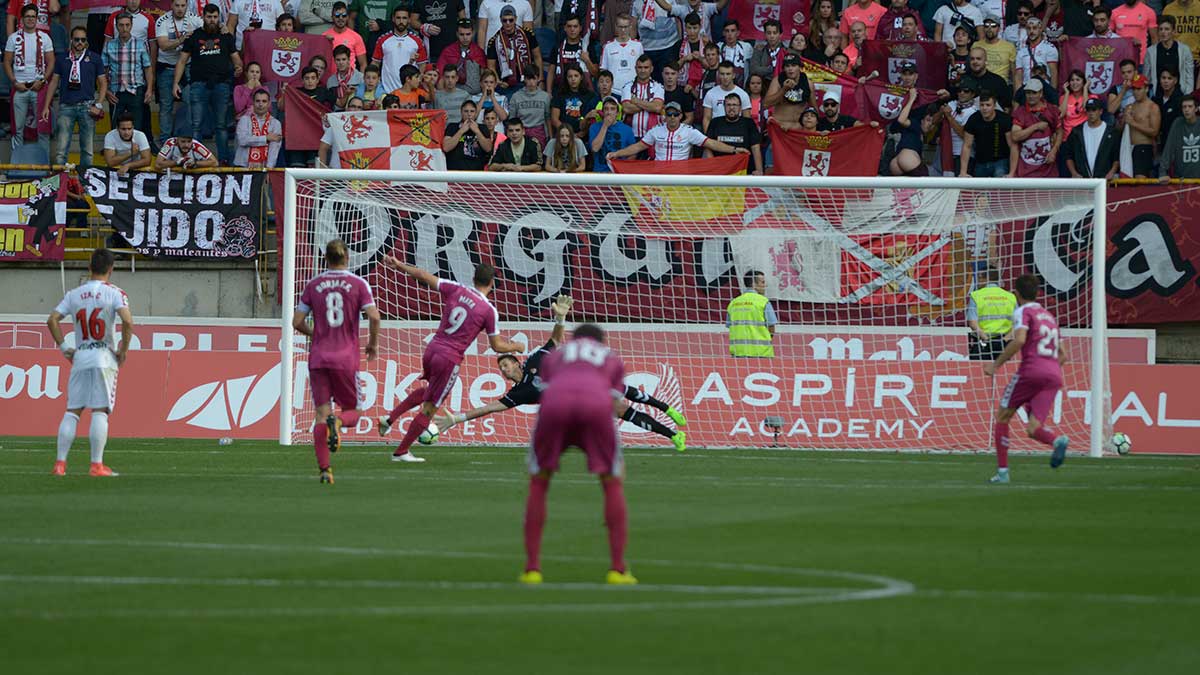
point(685, 204)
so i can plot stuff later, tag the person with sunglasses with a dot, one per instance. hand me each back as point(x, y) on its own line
point(341, 35)
point(672, 140)
point(82, 86)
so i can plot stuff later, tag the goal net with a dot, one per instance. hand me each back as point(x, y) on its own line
point(869, 280)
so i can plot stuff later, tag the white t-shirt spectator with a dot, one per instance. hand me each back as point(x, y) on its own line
point(673, 146)
point(621, 60)
point(112, 141)
point(706, 10)
point(25, 63)
point(715, 99)
point(171, 28)
point(961, 115)
point(739, 55)
point(393, 53)
point(951, 17)
point(490, 10)
point(267, 11)
point(1044, 53)
point(170, 150)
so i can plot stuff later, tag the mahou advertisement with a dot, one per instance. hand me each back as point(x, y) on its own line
point(898, 391)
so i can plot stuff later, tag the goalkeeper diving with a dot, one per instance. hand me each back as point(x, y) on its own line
point(528, 387)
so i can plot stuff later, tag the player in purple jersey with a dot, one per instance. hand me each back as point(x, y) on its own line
point(335, 298)
point(465, 312)
point(1038, 378)
point(585, 386)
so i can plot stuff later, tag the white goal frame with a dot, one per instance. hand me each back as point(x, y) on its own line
point(1097, 186)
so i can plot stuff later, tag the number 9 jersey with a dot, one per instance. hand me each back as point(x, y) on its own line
point(465, 312)
point(93, 308)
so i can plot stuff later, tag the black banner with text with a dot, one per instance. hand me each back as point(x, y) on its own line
point(184, 215)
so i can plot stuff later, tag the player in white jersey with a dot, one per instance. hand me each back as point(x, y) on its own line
point(94, 307)
point(620, 54)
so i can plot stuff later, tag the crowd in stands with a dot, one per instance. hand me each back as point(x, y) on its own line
point(568, 85)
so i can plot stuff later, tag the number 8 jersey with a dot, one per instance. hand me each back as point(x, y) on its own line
point(93, 308)
point(335, 299)
point(465, 312)
point(1039, 355)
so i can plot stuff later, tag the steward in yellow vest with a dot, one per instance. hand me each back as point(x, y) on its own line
point(989, 314)
point(751, 320)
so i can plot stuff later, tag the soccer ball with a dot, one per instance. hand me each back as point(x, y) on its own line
point(1121, 443)
point(429, 436)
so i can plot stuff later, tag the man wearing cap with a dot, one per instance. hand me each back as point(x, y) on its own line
point(611, 134)
point(957, 13)
point(788, 93)
point(1181, 151)
point(1001, 54)
point(891, 24)
point(489, 17)
point(1092, 146)
point(1037, 51)
point(1037, 131)
point(831, 118)
point(511, 49)
point(735, 129)
point(956, 113)
point(673, 141)
point(1143, 119)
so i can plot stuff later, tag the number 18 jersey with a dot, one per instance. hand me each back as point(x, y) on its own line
point(1039, 354)
point(93, 307)
point(465, 312)
point(335, 298)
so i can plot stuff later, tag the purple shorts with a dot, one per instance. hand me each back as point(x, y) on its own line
point(439, 373)
point(340, 386)
point(587, 424)
point(1034, 393)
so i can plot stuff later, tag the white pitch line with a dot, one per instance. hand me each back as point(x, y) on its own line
point(454, 475)
point(948, 459)
point(1025, 596)
point(390, 584)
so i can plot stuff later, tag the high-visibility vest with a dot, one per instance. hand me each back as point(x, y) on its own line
point(995, 307)
point(748, 333)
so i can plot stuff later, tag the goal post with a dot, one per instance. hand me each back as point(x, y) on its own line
point(869, 278)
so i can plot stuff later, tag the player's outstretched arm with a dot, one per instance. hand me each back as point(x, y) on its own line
point(444, 422)
point(126, 333)
point(560, 308)
point(502, 345)
point(415, 272)
point(52, 323)
point(372, 349)
point(300, 323)
point(1010, 350)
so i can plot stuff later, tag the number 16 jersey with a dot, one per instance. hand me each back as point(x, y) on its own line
point(93, 307)
point(335, 298)
point(465, 312)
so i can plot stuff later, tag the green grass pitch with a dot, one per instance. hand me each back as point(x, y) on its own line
point(205, 559)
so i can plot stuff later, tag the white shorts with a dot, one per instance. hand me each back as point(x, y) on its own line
point(92, 388)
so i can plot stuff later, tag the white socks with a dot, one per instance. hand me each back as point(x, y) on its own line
point(98, 435)
point(66, 434)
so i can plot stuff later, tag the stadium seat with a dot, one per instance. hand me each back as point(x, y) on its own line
point(29, 153)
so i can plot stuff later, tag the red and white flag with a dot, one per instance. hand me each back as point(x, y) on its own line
point(1098, 58)
point(886, 57)
point(400, 140)
point(849, 152)
point(882, 102)
point(284, 55)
